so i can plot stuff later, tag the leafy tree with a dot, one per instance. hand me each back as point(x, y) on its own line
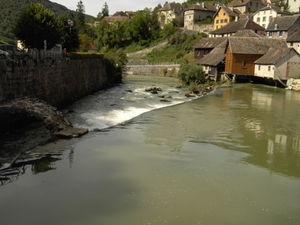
point(36, 27)
point(80, 17)
point(85, 42)
point(168, 30)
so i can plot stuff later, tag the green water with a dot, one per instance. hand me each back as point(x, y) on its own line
point(231, 157)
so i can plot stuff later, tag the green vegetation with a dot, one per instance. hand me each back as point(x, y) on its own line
point(179, 50)
point(37, 27)
point(191, 74)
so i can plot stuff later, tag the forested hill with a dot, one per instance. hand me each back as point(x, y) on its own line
point(11, 9)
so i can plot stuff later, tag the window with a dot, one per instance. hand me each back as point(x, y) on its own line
point(259, 67)
point(243, 63)
point(269, 34)
point(225, 20)
point(217, 21)
point(221, 21)
point(280, 33)
point(270, 18)
point(264, 19)
point(291, 44)
point(216, 27)
point(269, 68)
point(263, 25)
point(224, 14)
point(258, 19)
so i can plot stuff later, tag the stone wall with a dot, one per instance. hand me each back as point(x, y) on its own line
point(170, 70)
point(58, 82)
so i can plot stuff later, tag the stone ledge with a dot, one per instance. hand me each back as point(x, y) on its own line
point(71, 132)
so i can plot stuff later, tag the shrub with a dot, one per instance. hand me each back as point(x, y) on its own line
point(191, 73)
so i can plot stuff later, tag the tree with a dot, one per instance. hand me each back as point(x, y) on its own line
point(105, 11)
point(70, 38)
point(37, 27)
point(168, 30)
point(80, 17)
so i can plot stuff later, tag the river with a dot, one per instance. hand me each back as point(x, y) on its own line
point(229, 157)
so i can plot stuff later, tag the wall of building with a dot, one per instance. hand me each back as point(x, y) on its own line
point(58, 82)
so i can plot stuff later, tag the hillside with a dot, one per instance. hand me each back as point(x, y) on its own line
point(11, 9)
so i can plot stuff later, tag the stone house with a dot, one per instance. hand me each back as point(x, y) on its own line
point(293, 41)
point(223, 16)
point(169, 12)
point(283, 26)
point(198, 12)
point(235, 26)
point(245, 6)
point(276, 63)
point(264, 15)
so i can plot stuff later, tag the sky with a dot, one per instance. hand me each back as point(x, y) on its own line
point(93, 7)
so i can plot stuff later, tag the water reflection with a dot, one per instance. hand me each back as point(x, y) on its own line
point(258, 120)
point(40, 161)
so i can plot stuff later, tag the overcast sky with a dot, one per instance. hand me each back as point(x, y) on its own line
point(93, 7)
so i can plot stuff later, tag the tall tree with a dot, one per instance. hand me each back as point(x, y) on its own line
point(37, 27)
point(80, 17)
point(105, 10)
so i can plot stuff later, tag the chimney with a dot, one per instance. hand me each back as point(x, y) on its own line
point(282, 8)
point(203, 6)
point(276, 26)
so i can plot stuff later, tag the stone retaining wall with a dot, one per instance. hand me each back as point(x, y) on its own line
point(153, 70)
point(58, 82)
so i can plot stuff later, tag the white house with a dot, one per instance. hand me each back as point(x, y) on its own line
point(275, 63)
point(283, 26)
point(293, 5)
point(264, 15)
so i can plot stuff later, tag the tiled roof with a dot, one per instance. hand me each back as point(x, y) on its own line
point(202, 7)
point(111, 19)
point(273, 55)
point(235, 26)
point(238, 3)
point(282, 23)
point(255, 46)
point(246, 33)
point(120, 13)
point(215, 56)
point(210, 42)
point(275, 8)
point(172, 6)
point(295, 37)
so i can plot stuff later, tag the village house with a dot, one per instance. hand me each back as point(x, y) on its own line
point(283, 26)
point(276, 64)
point(245, 6)
point(234, 26)
point(293, 41)
point(264, 15)
point(170, 12)
point(198, 12)
point(214, 62)
point(223, 16)
point(242, 52)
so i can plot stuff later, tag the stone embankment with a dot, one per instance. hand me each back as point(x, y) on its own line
point(293, 84)
point(30, 89)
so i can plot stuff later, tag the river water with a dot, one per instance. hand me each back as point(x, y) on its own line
point(229, 157)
